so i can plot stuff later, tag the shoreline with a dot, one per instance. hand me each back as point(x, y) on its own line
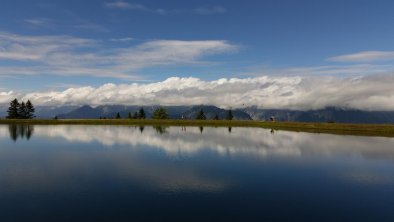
point(382, 130)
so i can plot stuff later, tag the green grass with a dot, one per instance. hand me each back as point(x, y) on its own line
point(332, 128)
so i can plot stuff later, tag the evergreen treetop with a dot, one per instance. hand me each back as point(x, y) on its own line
point(13, 109)
point(22, 110)
point(30, 110)
point(141, 113)
point(201, 115)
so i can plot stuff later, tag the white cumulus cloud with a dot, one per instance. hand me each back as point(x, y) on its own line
point(375, 92)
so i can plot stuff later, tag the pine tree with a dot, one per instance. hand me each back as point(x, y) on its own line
point(13, 109)
point(30, 110)
point(22, 111)
point(118, 116)
point(141, 113)
point(129, 116)
point(201, 115)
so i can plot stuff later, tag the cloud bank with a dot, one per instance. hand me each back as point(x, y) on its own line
point(296, 92)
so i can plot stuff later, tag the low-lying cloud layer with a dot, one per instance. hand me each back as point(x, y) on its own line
point(375, 92)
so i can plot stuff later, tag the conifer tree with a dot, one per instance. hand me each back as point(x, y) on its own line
point(118, 116)
point(201, 115)
point(141, 113)
point(13, 109)
point(30, 110)
point(22, 111)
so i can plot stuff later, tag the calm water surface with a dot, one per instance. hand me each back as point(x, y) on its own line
point(117, 173)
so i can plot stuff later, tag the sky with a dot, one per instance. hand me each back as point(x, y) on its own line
point(305, 54)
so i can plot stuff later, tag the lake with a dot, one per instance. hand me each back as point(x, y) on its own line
point(123, 173)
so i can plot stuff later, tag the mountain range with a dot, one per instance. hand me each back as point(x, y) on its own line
point(329, 114)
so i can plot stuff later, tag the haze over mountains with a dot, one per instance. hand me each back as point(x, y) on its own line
point(330, 114)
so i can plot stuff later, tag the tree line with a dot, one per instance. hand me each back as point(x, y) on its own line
point(162, 113)
point(21, 110)
point(201, 115)
point(26, 110)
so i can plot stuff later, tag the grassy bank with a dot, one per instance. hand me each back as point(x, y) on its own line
point(332, 128)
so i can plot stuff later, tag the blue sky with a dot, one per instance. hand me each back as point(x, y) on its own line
point(58, 44)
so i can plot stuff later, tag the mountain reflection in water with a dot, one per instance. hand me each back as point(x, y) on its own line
point(192, 174)
point(226, 141)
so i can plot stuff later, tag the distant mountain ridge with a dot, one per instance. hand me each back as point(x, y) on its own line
point(329, 114)
point(175, 112)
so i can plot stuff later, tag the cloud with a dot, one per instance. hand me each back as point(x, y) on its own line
point(126, 39)
point(22, 48)
point(366, 56)
point(332, 70)
point(210, 10)
point(207, 10)
point(6, 97)
point(295, 92)
point(125, 5)
point(133, 6)
point(91, 27)
point(39, 22)
point(71, 56)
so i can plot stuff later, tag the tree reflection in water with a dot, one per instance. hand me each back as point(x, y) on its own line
point(20, 131)
point(142, 129)
point(160, 129)
point(201, 129)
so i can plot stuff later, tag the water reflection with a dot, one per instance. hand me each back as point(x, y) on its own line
point(225, 141)
point(160, 129)
point(201, 129)
point(20, 131)
point(147, 171)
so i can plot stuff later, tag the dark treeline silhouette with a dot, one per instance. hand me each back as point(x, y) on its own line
point(22, 110)
point(163, 113)
point(138, 115)
point(20, 131)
